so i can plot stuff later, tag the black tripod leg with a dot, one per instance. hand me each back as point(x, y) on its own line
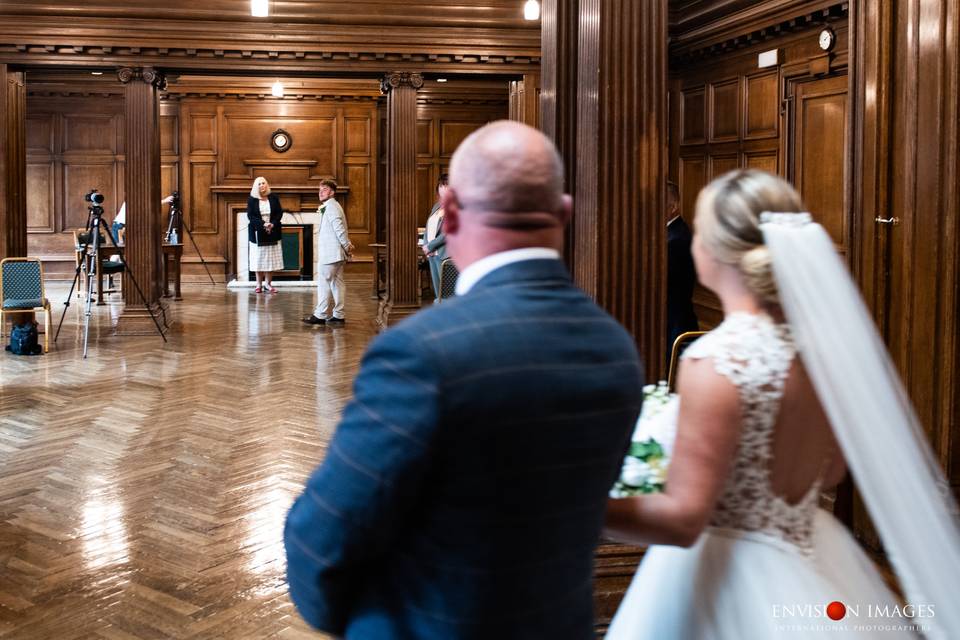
point(202, 261)
point(66, 305)
point(136, 284)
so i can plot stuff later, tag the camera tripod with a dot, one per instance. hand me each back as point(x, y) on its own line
point(90, 248)
point(175, 215)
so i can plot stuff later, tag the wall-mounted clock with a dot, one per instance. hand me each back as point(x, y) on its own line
point(827, 39)
point(280, 140)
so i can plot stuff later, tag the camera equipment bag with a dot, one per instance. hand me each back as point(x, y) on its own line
point(24, 340)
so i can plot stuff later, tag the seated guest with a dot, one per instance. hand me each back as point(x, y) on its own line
point(120, 220)
point(463, 492)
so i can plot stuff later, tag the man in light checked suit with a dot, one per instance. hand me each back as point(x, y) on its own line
point(463, 493)
point(333, 250)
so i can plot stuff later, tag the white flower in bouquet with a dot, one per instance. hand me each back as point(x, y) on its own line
point(635, 472)
point(645, 465)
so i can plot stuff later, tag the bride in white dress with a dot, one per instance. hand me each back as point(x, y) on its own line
point(775, 402)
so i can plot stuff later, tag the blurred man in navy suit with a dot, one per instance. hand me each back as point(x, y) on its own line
point(681, 274)
point(463, 493)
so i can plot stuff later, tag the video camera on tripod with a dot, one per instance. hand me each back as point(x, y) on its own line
point(95, 198)
point(90, 241)
point(177, 226)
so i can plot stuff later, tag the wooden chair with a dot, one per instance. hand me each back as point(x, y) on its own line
point(21, 291)
point(448, 279)
point(682, 342)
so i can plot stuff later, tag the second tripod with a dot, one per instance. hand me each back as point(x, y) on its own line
point(176, 216)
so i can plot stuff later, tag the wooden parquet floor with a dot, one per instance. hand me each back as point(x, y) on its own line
point(143, 491)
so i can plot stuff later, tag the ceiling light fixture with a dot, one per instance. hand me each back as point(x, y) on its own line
point(96, 73)
point(260, 8)
point(277, 89)
point(531, 10)
point(441, 79)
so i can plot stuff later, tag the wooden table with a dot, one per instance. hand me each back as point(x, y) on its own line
point(172, 253)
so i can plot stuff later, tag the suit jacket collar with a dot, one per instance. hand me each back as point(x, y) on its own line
point(545, 271)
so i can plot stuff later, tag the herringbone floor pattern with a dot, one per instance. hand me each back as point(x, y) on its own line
point(143, 491)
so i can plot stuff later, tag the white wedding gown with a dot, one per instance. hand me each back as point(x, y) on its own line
point(764, 569)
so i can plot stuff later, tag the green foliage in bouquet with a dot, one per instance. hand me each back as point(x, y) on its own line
point(644, 468)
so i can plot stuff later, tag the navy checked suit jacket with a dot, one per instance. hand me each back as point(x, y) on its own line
point(463, 493)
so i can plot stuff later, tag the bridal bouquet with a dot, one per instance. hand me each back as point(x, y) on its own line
point(645, 465)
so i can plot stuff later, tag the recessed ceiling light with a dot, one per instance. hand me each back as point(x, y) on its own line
point(96, 73)
point(441, 79)
point(277, 89)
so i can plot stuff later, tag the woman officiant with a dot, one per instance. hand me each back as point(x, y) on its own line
point(264, 232)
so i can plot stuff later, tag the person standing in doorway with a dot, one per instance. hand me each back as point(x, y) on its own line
point(333, 250)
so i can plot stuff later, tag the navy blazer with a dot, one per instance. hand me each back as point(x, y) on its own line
point(681, 280)
point(256, 232)
point(463, 493)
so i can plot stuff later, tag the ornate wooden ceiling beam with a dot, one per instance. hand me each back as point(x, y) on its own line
point(764, 21)
point(26, 40)
point(730, 24)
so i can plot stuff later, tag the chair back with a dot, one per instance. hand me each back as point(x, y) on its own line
point(682, 342)
point(82, 237)
point(448, 279)
point(21, 283)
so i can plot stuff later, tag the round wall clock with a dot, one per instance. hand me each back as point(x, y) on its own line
point(280, 140)
point(827, 39)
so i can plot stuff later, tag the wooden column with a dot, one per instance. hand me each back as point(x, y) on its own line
point(619, 238)
point(603, 102)
point(142, 187)
point(525, 100)
point(13, 160)
point(560, 23)
point(402, 298)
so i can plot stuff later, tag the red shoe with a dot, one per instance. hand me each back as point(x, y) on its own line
point(258, 290)
point(272, 289)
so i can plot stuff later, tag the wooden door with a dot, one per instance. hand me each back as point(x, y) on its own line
point(819, 152)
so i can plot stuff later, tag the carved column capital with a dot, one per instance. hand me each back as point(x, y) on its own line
point(148, 75)
point(398, 79)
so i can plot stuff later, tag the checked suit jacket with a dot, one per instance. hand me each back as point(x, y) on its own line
point(463, 493)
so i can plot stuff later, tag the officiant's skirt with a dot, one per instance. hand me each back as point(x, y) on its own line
point(266, 258)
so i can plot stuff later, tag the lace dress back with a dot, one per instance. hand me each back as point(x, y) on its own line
point(756, 354)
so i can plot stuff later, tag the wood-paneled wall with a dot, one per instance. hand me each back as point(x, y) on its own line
point(440, 130)
point(790, 119)
point(213, 148)
point(907, 154)
point(74, 144)
point(215, 138)
point(446, 114)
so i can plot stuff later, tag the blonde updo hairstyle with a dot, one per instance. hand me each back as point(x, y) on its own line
point(728, 224)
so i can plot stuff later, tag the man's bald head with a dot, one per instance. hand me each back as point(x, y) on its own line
point(508, 168)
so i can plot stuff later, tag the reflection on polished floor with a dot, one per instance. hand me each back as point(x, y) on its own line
point(143, 491)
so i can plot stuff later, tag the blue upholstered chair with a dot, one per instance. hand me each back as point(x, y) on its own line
point(21, 291)
point(448, 279)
